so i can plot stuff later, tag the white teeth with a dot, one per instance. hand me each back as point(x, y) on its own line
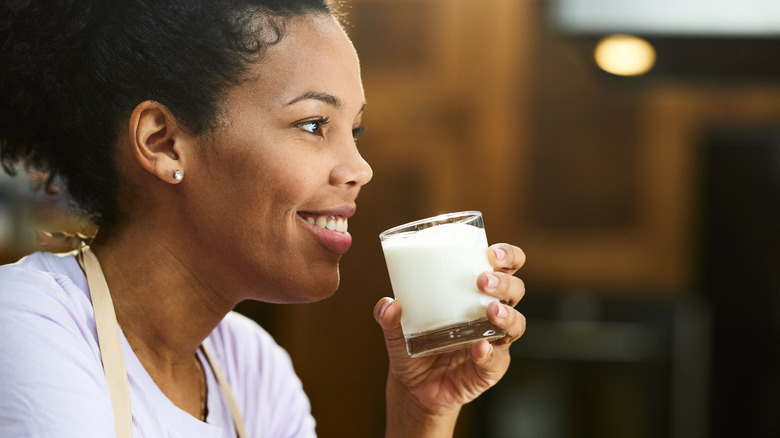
point(341, 225)
point(332, 223)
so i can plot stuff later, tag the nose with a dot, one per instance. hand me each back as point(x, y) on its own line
point(351, 169)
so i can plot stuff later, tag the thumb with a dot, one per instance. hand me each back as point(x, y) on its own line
point(387, 313)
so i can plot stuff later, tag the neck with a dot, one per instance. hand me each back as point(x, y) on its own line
point(164, 310)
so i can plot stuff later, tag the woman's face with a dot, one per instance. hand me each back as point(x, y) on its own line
point(272, 190)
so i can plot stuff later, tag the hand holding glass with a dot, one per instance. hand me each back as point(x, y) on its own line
point(433, 265)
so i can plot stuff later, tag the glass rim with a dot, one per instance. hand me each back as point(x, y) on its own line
point(437, 218)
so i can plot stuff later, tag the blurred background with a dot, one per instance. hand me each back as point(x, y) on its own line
point(630, 147)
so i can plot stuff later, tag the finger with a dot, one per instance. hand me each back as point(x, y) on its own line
point(507, 288)
point(387, 313)
point(481, 351)
point(509, 319)
point(492, 362)
point(506, 258)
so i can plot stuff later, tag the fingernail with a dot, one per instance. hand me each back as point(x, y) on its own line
point(499, 253)
point(501, 312)
point(492, 280)
point(383, 308)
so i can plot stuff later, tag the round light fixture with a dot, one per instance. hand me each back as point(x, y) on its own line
point(624, 55)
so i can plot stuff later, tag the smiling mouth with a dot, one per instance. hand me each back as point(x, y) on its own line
point(328, 222)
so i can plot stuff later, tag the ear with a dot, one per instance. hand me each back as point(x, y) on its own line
point(157, 141)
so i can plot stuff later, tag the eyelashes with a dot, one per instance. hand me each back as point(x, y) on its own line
point(357, 132)
point(317, 127)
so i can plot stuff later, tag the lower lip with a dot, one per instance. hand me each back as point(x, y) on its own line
point(335, 241)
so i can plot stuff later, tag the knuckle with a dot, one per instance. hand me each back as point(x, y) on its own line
point(513, 289)
point(518, 326)
point(515, 258)
point(520, 287)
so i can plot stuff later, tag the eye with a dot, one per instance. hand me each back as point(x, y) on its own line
point(357, 132)
point(313, 126)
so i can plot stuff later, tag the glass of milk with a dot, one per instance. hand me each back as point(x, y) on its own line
point(433, 265)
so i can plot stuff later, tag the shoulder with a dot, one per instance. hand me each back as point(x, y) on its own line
point(41, 266)
point(30, 270)
point(46, 287)
point(46, 296)
point(262, 377)
point(43, 282)
point(50, 363)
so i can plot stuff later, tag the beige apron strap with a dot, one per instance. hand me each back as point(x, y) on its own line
point(109, 341)
point(114, 359)
point(231, 399)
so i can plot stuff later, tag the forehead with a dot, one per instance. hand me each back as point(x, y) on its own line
point(313, 55)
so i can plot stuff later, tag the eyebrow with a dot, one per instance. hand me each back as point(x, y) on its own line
point(322, 97)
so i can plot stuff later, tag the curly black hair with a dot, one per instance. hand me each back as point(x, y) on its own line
point(72, 70)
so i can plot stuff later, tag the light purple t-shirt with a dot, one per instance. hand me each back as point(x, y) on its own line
point(52, 382)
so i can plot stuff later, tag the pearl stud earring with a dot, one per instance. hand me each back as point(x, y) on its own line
point(178, 175)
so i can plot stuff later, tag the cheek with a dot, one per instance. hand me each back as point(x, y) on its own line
point(290, 180)
point(263, 207)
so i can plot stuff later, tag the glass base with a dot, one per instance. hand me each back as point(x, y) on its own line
point(453, 337)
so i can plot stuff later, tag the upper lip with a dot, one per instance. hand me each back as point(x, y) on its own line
point(345, 211)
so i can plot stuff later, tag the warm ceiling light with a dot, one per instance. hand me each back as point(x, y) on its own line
point(624, 55)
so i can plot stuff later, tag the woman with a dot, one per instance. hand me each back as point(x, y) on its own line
point(214, 145)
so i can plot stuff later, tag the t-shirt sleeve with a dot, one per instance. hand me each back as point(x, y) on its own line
point(263, 379)
point(51, 378)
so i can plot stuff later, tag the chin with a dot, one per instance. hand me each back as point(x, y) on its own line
point(321, 296)
point(325, 284)
point(321, 292)
point(311, 290)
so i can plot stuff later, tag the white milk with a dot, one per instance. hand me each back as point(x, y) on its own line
point(434, 276)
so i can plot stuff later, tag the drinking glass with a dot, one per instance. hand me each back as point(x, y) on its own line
point(433, 265)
